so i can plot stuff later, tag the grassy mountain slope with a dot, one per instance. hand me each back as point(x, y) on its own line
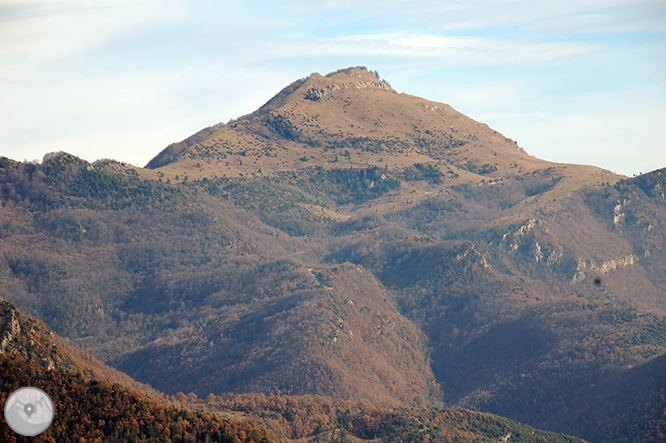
point(524, 214)
point(319, 419)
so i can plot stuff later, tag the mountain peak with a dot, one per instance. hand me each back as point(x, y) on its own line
point(352, 119)
point(358, 71)
point(315, 86)
point(350, 113)
point(311, 88)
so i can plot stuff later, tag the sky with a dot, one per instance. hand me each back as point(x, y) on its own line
point(571, 81)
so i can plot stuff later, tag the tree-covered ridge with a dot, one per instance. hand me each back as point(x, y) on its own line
point(91, 409)
point(320, 419)
point(63, 180)
point(485, 330)
point(27, 338)
point(99, 411)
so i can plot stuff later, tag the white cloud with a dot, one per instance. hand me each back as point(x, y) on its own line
point(463, 50)
point(538, 17)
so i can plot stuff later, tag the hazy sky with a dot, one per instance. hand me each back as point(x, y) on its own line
point(571, 81)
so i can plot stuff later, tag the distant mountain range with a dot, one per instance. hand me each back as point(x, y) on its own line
point(360, 245)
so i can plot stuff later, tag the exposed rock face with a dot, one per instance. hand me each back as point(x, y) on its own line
point(586, 269)
point(364, 80)
point(10, 329)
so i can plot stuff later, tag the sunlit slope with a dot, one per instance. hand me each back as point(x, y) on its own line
point(350, 118)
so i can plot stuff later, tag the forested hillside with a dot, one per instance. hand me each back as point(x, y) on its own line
point(89, 406)
point(320, 419)
point(213, 298)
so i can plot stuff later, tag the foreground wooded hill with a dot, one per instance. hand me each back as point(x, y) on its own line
point(355, 243)
point(320, 419)
point(94, 403)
